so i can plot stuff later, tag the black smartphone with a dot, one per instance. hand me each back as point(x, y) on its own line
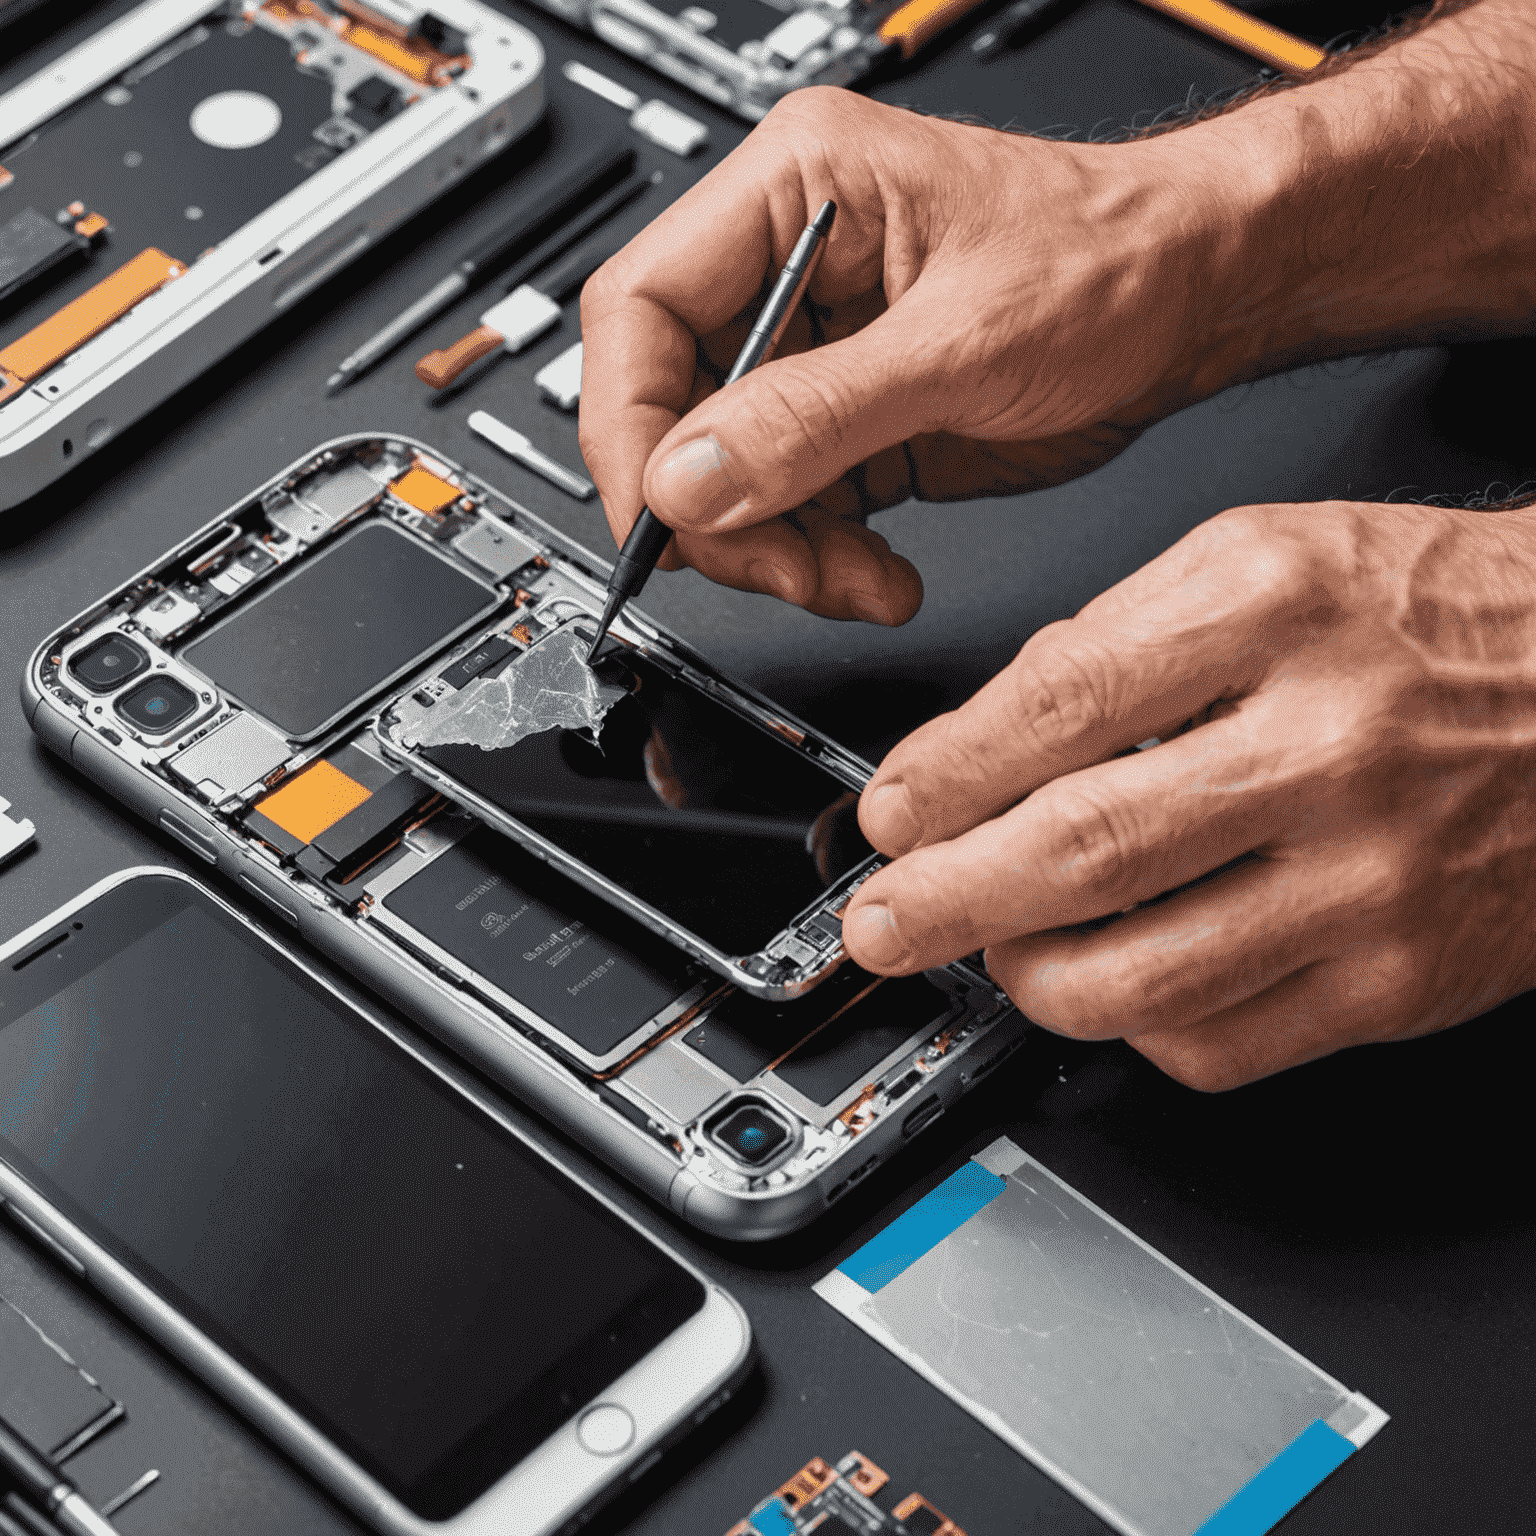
point(359, 1252)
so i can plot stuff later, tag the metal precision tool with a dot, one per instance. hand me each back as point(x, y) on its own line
point(516, 446)
point(561, 197)
point(649, 537)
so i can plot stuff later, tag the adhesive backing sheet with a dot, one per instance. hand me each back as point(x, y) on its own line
point(1159, 1405)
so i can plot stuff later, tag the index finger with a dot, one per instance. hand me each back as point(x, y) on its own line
point(692, 271)
point(701, 263)
point(1195, 626)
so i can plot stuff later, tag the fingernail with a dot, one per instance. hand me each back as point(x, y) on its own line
point(871, 937)
point(889, 821)
point(693, 484)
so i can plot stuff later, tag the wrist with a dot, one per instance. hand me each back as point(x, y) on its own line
point(1390, 203)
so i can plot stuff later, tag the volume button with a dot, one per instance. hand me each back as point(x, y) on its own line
point(51, 1243)
point(199, 842)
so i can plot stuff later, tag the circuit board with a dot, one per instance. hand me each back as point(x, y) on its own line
point(839, 1501)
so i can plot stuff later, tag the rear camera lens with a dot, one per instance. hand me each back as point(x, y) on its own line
point(108, 664)
point(158, 705)
point(751, 1135)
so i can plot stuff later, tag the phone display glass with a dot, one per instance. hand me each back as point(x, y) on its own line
point(425, 1290)
point(721, 827)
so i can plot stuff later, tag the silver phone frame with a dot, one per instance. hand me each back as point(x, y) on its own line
point(272, 261)
point(554, 1487)
point(463, 1022)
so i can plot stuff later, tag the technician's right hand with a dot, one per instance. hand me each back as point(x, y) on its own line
point(992, 313)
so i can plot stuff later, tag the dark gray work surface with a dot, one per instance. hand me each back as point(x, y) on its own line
point(1361, 1208)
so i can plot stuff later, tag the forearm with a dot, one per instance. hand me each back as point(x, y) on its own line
point(1392, 202)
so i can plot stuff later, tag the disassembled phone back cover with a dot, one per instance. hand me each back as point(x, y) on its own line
point(251, 692)
point(197, 167)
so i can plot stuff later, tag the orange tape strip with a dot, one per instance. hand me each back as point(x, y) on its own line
point(74, 325)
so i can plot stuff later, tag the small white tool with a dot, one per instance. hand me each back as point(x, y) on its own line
point(14, 834)
point(516, 446)
point(559, 380)
point(653, 120)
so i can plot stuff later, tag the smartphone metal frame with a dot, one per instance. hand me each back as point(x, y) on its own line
point(272, 261)
point(552, 1489)
point(466, 1012)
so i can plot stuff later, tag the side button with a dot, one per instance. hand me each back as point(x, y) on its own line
point(606, 1430)
point(271, 903)
point(52, 1244)
point(200, 843)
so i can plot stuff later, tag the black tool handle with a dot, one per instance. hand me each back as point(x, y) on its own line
point(556, 199)
point(646, 544)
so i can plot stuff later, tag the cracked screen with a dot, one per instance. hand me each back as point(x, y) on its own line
point(724, 828)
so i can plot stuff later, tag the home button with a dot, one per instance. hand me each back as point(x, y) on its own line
point(606, 1430)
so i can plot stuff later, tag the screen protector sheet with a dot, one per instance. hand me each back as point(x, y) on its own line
point(1159, 1405)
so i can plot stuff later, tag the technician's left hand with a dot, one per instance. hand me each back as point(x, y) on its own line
point(1341, 804)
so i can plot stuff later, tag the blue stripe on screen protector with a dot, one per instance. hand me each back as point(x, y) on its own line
point(1276, 1490)
point(917, 1231)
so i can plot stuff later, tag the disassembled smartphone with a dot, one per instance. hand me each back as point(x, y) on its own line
point(362, 693)
point(747, 54)
point(190, 172)
point(337, 1232)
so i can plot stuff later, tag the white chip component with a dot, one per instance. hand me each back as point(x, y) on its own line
point(164, 615)
point(791, 40)
point(559, 380)
point(669, 128)
point(697, 19)
point(233, 758)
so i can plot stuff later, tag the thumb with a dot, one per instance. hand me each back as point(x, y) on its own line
point(771, 441)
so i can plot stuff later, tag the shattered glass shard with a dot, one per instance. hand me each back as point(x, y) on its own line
point(550, 687)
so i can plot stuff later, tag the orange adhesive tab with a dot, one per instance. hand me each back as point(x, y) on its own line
point(91, 225)
point(424, 491)
point(313, 802)
point(74, 325)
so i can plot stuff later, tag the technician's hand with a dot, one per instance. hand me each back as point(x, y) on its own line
point(992, 313)
point(1348, 825)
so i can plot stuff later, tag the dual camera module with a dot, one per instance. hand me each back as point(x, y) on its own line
point(157, 705)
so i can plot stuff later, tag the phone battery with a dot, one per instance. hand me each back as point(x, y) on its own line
point(593, 973)
point(1159, 1405)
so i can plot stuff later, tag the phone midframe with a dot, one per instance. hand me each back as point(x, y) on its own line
point(559, 1483)
point(235, 286)
point(649, 1099)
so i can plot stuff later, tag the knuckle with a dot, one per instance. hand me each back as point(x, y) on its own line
point(1276, 551)
point(1064, 690)
point(1088, 841)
